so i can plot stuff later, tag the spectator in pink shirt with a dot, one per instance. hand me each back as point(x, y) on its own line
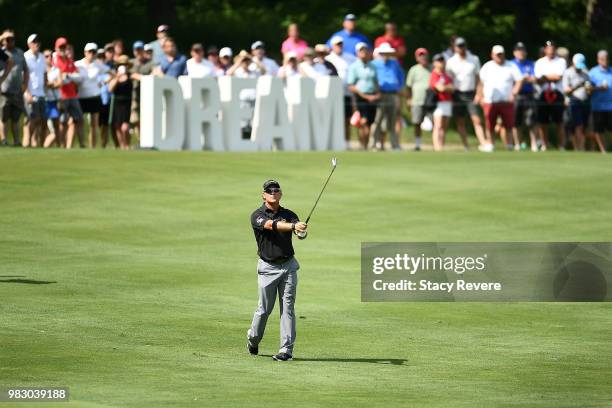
point(294, 42)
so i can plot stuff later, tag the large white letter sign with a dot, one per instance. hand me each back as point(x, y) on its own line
point(162, 113)
point(203, 106)
point(232, 113)
point(329, 94)
point(270, 121)
point(302, 109)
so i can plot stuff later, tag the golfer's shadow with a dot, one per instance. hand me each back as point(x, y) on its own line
point(392, 361)
point(17, 279)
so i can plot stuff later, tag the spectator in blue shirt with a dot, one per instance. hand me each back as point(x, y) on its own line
point(524, 103)
point(390, 82)
point(349, 35)
point(173, 63)
point(601, 99)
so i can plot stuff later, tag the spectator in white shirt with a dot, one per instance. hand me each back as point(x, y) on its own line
point(247, 67)
point(197, 66)
point(311, 67)
point(90, 88)
point(225, 59)
point(500, 82)
point(463, 67)
point(290, 66)
point(549, 72)
point(259, 55)
point(341, 61)
point(35, 93)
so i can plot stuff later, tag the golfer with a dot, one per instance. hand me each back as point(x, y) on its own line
point(277, 268)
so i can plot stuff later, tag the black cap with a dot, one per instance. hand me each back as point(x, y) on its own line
point(270, 183)
point(438, 57)
point(519, 46)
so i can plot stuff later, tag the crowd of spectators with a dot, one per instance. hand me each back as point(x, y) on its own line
point(57, 90)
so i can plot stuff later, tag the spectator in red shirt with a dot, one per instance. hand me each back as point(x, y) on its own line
point(442, 85)
point(394, 39)
point(69, 100)
point(294, 42)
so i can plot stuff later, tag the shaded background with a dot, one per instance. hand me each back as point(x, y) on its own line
point(580, 25)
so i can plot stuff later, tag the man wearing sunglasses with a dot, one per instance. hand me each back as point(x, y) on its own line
point(277, 268)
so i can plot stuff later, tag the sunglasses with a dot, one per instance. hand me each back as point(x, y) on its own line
point(272, 190)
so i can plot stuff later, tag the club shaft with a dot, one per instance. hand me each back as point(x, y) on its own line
point(320, 194)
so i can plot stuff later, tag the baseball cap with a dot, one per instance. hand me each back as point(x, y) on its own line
point(350, 17)
point(309, 52)
point(197, 47)
point(226, 52)
point(460, 42)
point(256, 45)
point(148, 47)
point(438, 57)
point(138, 45)
point(421, 51)
point(519, 46)
point(90, 46)
point(61, 41)
point(100, 52)
point(212, 49)
point(579, 61)
point(290, 54)
point(109, 47)
point(33, 38)
point(270, 183)
point(360, 45)
point(336, 40)
point(549, 43)
point(498, 49)
point(162, 28)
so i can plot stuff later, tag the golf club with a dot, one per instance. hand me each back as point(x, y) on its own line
point(334, 162)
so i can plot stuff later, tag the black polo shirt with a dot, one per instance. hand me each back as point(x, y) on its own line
point(272, 246)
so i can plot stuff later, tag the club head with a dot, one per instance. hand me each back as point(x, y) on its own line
point(334, 162)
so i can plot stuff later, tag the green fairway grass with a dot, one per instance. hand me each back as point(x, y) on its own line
point(130, 277)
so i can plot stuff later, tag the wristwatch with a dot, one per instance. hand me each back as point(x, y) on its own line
point(293, 226)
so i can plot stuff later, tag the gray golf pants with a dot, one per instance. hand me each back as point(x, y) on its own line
point(276, 280)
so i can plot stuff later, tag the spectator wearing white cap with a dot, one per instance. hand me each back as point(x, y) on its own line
point(549, 73)
point(13, 87)
point(363, 82)
point(341, 61)
point(157, 45)
point(576, 87)
point(90, 89)
point(321, 53)
point(294, 42)
point(35, 94)
point(500, 82)
point(290, 66)
point(349, 35)
point(197, 65)
point(225, 59)
point(390, 77)
point(258, 50)
point(463, 68)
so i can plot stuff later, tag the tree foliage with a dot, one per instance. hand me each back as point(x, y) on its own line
point(580, 25)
